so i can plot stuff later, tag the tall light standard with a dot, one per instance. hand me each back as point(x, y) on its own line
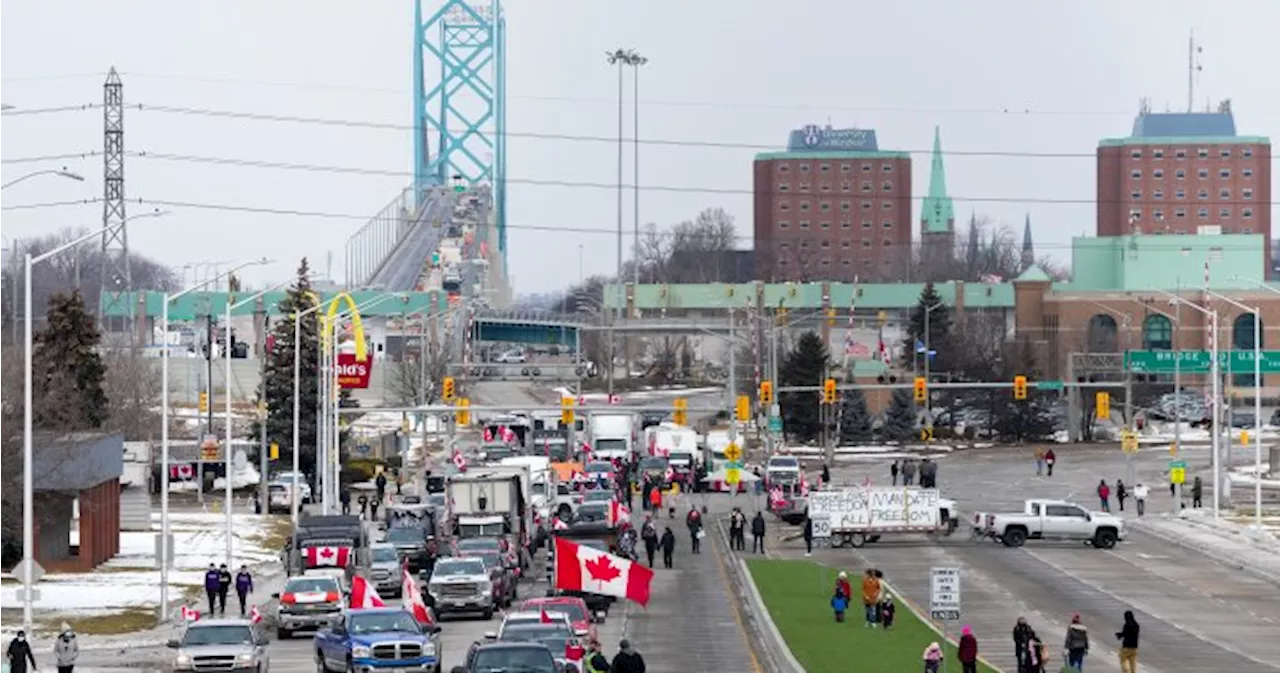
point(165, 534)
point(635, 61)
point(62, 173)
point(620, 58)
point(1257, 402)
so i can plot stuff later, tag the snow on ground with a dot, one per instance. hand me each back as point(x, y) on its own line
point(1232, 542)
point(1247, 475)
point(876, 450)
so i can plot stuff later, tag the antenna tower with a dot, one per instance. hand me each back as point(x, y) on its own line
point(1193, 70)
point(116, 278)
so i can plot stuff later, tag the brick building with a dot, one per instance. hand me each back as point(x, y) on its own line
point(833, 206)
point(1185, 173)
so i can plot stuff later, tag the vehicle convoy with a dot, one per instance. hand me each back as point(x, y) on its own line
point(307, 604)
point(384, 569)
point(1051, 520)
point(235, 645)
point(541, 490)
point(325, 540)
point(491, 501)
point(514, 656)
point(502, 575)
point(458, 584)
point(855, 516)
point(378, 639)
point(613, 436)
point(667, 438)
point(550, 629)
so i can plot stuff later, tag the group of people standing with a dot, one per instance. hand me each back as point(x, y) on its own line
point(1032, 654)
point(737, 531)
point(908, 468)
point(218, 582)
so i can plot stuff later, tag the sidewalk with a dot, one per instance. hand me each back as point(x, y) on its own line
point(1229, 543)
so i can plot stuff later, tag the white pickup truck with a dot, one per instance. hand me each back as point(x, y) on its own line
point(1050, 520)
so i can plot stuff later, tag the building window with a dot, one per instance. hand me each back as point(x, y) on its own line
point(845, 224)
point(844, 263)
point(1247, 193)
point(1157, 154)
point(846, 187)
point(1157, 214)
point(804, 186)
point(1203, 173)
point(1135, 214)
point(784, 187)
point(783, 224)
point(888, 224)
point(886, 168)
point(783, 262)
point(866, 243)
point(1157, 333)
point(1224, 213)
point(1246, 213)
point(804, 205)
point(783, 205)
point(866, 168)
point(783, 168)
point(825, 168)
point(1247, 172)
point(1203, 153)
point(866, 205)
point(1157, 173)
point(826, 244)
point(1180, 194)
point(1157, 194)
point(826, 262)
point(825, 206)
point(804, 224)
point(826, 186)
point(1203, 213)
point(1180, 174)
point(1136, 174)
point(1225, 153)
point(846, 168)
point(1136, 195)
point(886, 205)
point(1202, 194)
point(846, 206)
point(887, 243)
point(1224, 193)
point(1180, 154)
point(1247, 152)
point(866, 185)
point(846, 244)
point(826, 225)
point(1180, 213)
point(1224, 173)
point(1136, 154)
point(804, 168)
point(887, 186)
point(866, 224)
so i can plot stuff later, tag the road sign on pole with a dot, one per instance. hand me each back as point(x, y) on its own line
point(1177, 472)
point(821, 526)
point(28, 571)
point(1198, 362)
point(1129, 441)
point(944, 594)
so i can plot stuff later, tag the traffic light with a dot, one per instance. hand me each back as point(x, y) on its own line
point(463, 415)
point(1019, 387)
point(1102, 401)
point(831, 317)
point(766, 392)
point(922, 389)
point(447, 390)
point(681, 415)
point(566, 411)
point(829, 391)
point(744, 408)
point(275, 451)
point(204, 402)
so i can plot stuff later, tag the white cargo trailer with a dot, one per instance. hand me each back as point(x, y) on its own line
point(854, 516)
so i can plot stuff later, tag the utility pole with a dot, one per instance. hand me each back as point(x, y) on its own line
point(117, 281)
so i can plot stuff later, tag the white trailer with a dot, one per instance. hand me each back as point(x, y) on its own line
point(855, 516)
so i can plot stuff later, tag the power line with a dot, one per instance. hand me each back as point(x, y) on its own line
point(51, 204)
point(52, 157)
point(20, 112)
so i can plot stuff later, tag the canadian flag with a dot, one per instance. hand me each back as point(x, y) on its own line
point(507, 434)
point(804, 484)
point(545, 617)
point(559, 524)
point(255, 615)
point(459, 461)
point(413, 602)
point(488, 435)
point(328, 557)
point(363, 595)
point(189, 614)
point(669, 476)
point(618, 512)
point(581, 568)
point(586, 452)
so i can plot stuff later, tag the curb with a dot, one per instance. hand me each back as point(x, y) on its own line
point(1214, 554)
point(755, 604)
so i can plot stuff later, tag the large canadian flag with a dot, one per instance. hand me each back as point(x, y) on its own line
point(618, 512)
point(413, 602)
point(328, 557)
point(364, 595)
point(581, 568)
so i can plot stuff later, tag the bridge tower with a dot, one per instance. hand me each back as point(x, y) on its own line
point(459, 87)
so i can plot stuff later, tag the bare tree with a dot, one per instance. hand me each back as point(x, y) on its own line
point(133, 392)
point(415, 378)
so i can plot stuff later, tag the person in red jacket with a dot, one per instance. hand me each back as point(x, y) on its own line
point(1049, 459)
point(967, 652)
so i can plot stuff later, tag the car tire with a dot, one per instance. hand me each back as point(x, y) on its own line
point(283, 634)
point(1104, 539)
point(1014, 538)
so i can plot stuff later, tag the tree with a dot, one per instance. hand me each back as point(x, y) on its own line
point(277, 380)
point(805, 365)
point(1026, 420)
point(414, 379)
point(855, 420)
point(67, 369)
point(938, 338)
point(900, 419)
point(133, 387)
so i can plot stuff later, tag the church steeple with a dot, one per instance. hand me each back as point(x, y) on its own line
point(937, 215)
point(1028, 250)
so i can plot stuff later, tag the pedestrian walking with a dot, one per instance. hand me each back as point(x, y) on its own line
point(668, 544)
point(870, 596)
point(1049, 459)
point(1121, 493)
point(1197, 492)
point(399, 482)
point(373, 508)
point(887, 611)
point(224, 586)
point(1021, 643)
point(908, 472)
point(66, 650)
point(211, 583)
point(19, 654)
point(928, 474)
point(893, 473)
point(1104, 495)
point(364, 507)
point(380, 483)
point(1076, 643)
point(842, 585)
point(1039, 461)
point(757, 533)
point(967, 650)
point(244, 587)
point(345, 499)
point(839, 604)
point(693, 520)
point(627, 660)
point(826, 474)
point(1140, 498)
point(655, 499)
point(737, 529)
point(932, 657)
point(808, 535)
point(1128, 637)
point(649, 534)
point(595, 661)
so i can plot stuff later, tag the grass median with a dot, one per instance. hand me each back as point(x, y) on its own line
point(798, 597)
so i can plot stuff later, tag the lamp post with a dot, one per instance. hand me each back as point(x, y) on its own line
point(636, 61)
point(1176, 319)
point(165, 542)
point(1215, 392)
point(28, 422)
point(62, 173)
point(1257, 403)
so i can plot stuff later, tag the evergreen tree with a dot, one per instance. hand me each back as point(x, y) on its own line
point(939, 338)
point(805, 365)
point(1026, 420)
point(900, 419)
point(67, 370)
point(855, 420)
point(277, 380)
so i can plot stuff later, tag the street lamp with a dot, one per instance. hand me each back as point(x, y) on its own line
point(1176, 319)
point(164, 432)
point(60, 172)
point(1257, 403)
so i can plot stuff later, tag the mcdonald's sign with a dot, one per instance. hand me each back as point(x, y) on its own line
point(354, 369)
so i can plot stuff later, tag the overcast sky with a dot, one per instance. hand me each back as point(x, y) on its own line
point(1068, 73)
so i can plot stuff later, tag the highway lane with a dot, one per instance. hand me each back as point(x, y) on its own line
point(405, 265)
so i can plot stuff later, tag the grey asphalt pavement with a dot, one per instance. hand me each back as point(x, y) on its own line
point(1196, 614)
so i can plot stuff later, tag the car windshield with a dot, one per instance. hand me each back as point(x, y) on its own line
point(498, 452)
point(385, 555)
point(538, 488)
point(653, 463)
point(536, 631)
point(593, 511)
point(681, 458)
point(437, 500)
point(479, 544)
point(597, 495)
point(382, 622)
point(611, 445)
point(458, 568)
point(230, 634)
point(306, 585)
point(490, 560)
point(404, 535)
point(784, 464)
point(557, 451)
point(573, 610)
point(531, 659)
point(599, 466)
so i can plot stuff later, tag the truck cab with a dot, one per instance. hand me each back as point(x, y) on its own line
point(378, 639)
point(235, 645)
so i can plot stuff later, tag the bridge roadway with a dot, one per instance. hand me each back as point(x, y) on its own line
point(1195, 613)
point(402, 268)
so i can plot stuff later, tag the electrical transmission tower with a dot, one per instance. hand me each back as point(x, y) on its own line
point(117, 281)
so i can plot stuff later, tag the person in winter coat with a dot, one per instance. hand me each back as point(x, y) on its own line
point(1140, 498)
point(1022, 634)
point(908, 472)
point(826, 474)
point(66, 650)
point(967, 650)
point(655, 498)
point(757, 533)
point(668, 544)
point(224, 586)
point(1122, 492)
point(893, 474)
point(1049, 459)
point(627, 660)
point(1039, 461)
point(842, 585)
point(1197, 492)
point(1104, 495)
point(887, 610)
point(649, 533)
point(244, 587)
point(380, 483)
point(928, 474)
point(808, 535)
point(19, 653)
point(737, 530)
point(1037, 655)
point(211, 584)
point(694, 521)
point(871, 596)
point(932, 657)
point(1076, 643)
point(1128, 637)
point(839, 603)
point(595, 661)
point(345, 499)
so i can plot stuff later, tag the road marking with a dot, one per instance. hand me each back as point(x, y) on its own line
point(1150, 557)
